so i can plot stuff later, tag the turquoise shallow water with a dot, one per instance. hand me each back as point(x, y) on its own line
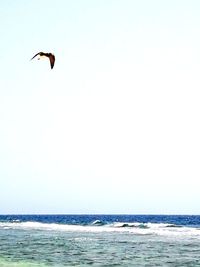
point(117, 242)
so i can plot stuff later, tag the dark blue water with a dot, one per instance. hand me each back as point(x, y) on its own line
point(184, 220)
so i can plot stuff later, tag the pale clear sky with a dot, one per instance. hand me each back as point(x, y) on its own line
point(115, 126)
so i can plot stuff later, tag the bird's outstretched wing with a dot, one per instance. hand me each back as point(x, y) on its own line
point(37, 55)
point(52, 60)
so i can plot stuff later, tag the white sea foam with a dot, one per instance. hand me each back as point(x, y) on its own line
point(132, 228)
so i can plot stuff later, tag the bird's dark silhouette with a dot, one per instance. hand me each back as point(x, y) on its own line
point(49, 55)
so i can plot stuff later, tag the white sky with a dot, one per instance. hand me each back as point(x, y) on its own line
point(114, 127)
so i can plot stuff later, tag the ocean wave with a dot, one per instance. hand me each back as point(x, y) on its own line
point(145, 225)
point(99, 227)
point(98, 222)
point(130, 225)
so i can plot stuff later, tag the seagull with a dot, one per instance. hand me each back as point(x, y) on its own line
point(49, 55)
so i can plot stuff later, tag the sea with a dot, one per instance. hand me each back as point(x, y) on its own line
point(99, 240)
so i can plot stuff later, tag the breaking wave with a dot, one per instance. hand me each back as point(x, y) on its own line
point(100, 227)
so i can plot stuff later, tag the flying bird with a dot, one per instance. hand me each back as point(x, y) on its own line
point(48, 55)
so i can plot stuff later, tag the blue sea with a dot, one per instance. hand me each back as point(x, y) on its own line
point(99, 240)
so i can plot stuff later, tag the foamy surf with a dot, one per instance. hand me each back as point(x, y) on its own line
point(98, 227)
